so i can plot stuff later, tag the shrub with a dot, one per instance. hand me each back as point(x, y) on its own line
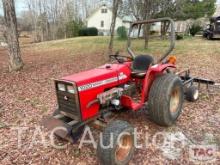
point(122, 33)
point(153, 32)
point(179, 36)
point(88, 31)
point(72, 29)
point(194, 29)
point(83, 32)
point(92, 31)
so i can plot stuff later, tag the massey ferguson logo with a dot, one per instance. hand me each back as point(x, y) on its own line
point(121, 76)
point(97, 84)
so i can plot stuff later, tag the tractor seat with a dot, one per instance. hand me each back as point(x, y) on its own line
point(140, 66)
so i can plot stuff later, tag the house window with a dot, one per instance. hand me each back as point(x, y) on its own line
point(102, 24)
point(104, 10)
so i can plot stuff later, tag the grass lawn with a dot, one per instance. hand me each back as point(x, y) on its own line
point(26, 97)
point(97, 44)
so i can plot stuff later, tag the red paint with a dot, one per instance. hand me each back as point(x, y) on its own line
point(152, 73)
point(109, 71)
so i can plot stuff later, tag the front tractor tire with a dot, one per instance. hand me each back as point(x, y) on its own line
point(121, 135)
point(166, 99)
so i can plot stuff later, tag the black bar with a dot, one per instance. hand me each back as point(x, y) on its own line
point(188, 81)
point(172, 37)
point(204, 81)
point(197, 80)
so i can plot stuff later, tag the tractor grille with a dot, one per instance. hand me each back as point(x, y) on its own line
point(68, 103)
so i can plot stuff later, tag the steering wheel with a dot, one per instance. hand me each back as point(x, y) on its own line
point(119, 58)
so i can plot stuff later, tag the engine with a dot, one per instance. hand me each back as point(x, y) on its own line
point(112, 96)
point(82, 96)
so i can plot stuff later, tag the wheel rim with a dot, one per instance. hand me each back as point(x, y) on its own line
point(124, 147)
point(196, 95)
point(174, 100)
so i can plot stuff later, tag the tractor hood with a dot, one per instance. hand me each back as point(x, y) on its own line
point(109, 73)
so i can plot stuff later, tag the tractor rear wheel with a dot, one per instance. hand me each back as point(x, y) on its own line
point(166, 99)
point(116, 146)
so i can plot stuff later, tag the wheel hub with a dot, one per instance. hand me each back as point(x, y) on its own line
point(196, 95)
point(123, 148)
point(174, 100)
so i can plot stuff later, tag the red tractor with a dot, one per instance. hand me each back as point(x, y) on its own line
point(134, 83)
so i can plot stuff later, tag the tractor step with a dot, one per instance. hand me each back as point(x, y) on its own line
point(60, 126)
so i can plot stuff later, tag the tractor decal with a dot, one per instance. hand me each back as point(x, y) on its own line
point(97, 84)
point(121, 76)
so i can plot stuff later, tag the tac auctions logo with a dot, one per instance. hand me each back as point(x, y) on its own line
point(203, 153)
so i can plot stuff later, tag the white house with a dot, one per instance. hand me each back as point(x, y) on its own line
point(217, 12)
point(102, 18)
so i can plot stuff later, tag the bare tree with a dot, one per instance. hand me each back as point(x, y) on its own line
point(142, 10)
point(11, 34)
point(56, 19)
point(116, 4)
point(50, 18)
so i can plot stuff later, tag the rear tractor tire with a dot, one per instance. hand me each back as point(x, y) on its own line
point(192, 93)
point(116, 147)
point(166, 99)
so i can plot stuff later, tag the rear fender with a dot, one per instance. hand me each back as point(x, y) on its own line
point(151, 75)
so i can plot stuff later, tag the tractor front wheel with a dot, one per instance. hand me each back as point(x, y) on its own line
point(166, 99)
point(116, 145)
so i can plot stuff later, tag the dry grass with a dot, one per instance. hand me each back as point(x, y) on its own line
point(97, 44)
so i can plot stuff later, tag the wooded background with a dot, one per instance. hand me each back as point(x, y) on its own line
point(57, 19)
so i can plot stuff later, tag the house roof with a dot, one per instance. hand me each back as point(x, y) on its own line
point(97, 9)
point(217, 12)
point(124, 18)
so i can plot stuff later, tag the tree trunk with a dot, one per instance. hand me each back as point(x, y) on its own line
point(147, 15)
point(164, 28)
point(15, 60)
point(139, 30)
point(112, 29)
point(146, 35)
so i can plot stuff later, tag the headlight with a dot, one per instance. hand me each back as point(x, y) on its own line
point(70, 89)
point(61, 87)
